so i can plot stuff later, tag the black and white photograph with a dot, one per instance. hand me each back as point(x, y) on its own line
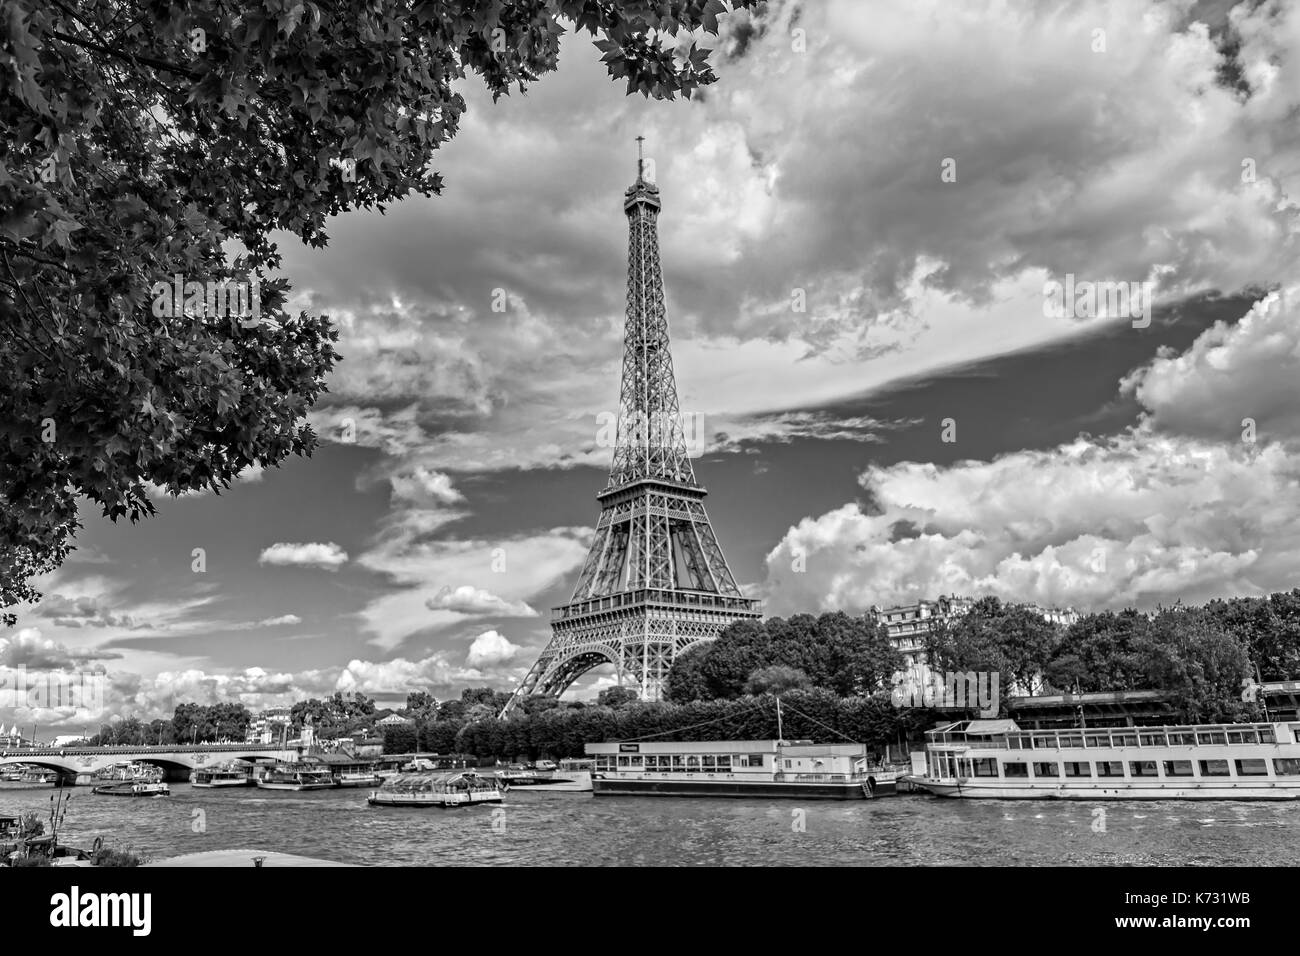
point(649, 434)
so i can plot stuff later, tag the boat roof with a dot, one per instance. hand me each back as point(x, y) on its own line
point(989, 728)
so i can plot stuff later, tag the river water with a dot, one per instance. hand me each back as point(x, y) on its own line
point(533, 829)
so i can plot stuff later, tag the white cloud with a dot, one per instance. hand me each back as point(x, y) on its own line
point(422, 486)
point(328, 556)
point(490, 649)
point(467, 599)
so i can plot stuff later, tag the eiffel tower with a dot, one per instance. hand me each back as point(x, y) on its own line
point(655, 581)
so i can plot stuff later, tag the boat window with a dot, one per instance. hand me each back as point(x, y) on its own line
point(1078, 768)
point(985, 767)
point(707, 762)
point(1267, 735)
point(1252, 768)
point(1071, 740)
point(1046, 770)
point(1286, 766)
point(1110, 768)
point(1124, 740)
point(1151, 739)
point(1017, 768)
point(677, 762)
point(756, 760)
point(692, 762)
point(787, 765)
point(622, 761)
point(1211, 737)
point(1142, 768)
point(1096, 740)
point(724, 762)
point(1181, 768)
point(636, 760)
point(1247, 736)
point(1215, 768)
point(1045, 741)
point(1182, 739)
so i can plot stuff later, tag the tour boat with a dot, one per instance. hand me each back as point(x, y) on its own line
point(129, 772)
point(458, 788)
point(296, 776)
point(995, 759)
point(740, 768)
point(136, 789)
point(212, 777)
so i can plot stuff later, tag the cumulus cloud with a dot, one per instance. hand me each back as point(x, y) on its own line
point(27, 648)
point(467, 599)
point(1148, 516)
point(490, 649)
point(422, 486)
point(328, 556)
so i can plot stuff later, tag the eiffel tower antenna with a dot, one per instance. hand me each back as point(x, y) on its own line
point(655, 581)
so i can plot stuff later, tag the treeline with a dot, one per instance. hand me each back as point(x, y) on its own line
point(1199, 656)
point(190, 723)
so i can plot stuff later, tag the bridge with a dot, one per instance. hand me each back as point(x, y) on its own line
point(176, 761)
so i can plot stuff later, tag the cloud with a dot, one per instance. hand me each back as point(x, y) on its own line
point(27, 648)
point(490, 649)
point(328, 556)
point(421, 486)
point(477, 601)
point(1233, 372)
point(1145, 517)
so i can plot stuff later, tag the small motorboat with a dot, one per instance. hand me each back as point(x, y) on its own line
point(455, 789)
point(134, 789)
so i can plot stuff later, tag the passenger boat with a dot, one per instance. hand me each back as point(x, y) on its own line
point(740, 768)
point(995, 759)
point(137, 789)
point(39, 776)
point(11, 776)
point(130, 772)
point(227, 776)
point(458, 788)
point(296, 776)
point(572, 776)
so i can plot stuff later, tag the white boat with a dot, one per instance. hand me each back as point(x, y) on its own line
point(740, 768)
point(296, 777)
point(995, 759)
point(214, 777)
point(457, 788)
point(139, 789)
point(572, 776)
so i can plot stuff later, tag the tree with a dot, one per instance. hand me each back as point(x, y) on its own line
point(1189, 654)
point(1268, 627)
point(420, 703)
point(776, 679)
point(141, 139)
point(1100, 652)
point(400, 739)
point(616, 697)
point(1010, 640)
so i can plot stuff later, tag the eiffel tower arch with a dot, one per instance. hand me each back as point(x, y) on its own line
point(655, 581)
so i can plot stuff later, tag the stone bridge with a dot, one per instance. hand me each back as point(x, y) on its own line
point(176, 761)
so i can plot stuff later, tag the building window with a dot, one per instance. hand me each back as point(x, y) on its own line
point(1143, 768)
point(1252, 768)
point(1078, 768)
point(1110, 768)
point(1179, 768)
point(1215, 768)
point(1015, 769)
point(1046, 770)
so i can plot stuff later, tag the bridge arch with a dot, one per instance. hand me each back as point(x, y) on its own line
point(562, 674)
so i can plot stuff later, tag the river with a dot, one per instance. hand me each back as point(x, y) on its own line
point(532, 829)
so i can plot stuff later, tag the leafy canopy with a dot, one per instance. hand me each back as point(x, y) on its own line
point(145, 140)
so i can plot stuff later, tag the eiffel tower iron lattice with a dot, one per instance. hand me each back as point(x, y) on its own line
point(655, 581)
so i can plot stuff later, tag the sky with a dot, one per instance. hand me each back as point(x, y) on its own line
point(861, 222)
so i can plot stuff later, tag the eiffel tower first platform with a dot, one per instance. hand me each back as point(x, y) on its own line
point(655, 581)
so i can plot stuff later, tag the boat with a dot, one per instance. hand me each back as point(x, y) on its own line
point(223, 776)
point(571, 776)
point(296, 776)
point(358, 779)
point(12, 775)
point(130, 772)
point(457, 788)
point(33, 775)
point(133, 789)
point(995, 759)
point(740, 768)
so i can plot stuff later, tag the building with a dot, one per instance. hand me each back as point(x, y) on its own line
point(269, 727)
point(393, 720)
